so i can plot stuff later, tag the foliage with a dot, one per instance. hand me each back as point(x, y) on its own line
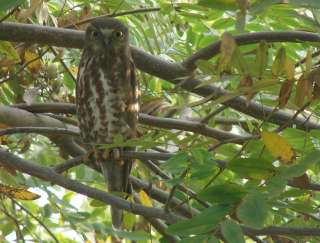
point(243, 184)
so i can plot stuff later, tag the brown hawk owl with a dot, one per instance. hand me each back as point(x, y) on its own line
point(107, 98)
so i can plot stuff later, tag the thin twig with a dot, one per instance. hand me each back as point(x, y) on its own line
point(174, 188)
point(9, 14)
point(38, 220)
point(206, 119)
point(15, 221)
point(63, 64)
point(182, 188)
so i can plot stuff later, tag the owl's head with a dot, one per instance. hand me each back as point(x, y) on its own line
point(105, 33)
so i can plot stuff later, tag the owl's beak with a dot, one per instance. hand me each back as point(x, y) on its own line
point(107, 33)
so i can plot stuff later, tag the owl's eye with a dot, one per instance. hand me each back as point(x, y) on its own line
point(118, 34)
point(94, 34)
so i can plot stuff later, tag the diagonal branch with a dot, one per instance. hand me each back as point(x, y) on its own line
point(50, 175)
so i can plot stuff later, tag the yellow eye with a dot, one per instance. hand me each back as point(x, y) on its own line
point(118, 34)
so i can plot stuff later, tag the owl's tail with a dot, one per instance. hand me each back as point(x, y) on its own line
point(116, 175)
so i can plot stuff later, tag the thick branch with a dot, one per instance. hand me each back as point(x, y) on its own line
point(250, 38)
point(153, 192)
point(14, 117)
point(39, 130)
point(47, 174)
point(282, 231)
point(169, 123)
point(173, 72)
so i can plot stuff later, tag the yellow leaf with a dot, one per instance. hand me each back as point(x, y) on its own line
point(285, 93)
point(279, 62)
point(227, 48)
point(303, 90)
point(144, 198)
point(33, 60)
point(289, 68)
point(309, 60)
point(262, 57)
point(278, 146)
point(18, 192)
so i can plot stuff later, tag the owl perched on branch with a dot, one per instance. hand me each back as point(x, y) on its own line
point(107, 99)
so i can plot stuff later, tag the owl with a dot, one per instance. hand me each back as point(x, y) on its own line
point(107, 99)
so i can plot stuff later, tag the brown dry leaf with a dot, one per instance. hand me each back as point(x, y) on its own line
point(5, 62)
point(227, 48)
point(145, 199)
point(301, 181)
point(278, 146)
point(85, 14)
point(247, 82)
point(308, 60)
point(24, 14)
point(289, 69)
point(19, 192)
point(68, 19)
point(303, 90)
point(3, 126)
point(285, 93)
point(35, 62)
point(10, 170)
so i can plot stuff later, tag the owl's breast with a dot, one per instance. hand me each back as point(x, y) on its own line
point(100, 106)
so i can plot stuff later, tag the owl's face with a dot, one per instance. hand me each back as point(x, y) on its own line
point(106, 34)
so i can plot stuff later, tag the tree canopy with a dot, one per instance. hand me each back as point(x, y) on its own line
point(228, 146)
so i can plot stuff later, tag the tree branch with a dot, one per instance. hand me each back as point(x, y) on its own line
point(168, 123)
point(282, 231)
point(173, 72)
point(250, 38)
point(39, 130)
point(50, 175)
point(13, 118)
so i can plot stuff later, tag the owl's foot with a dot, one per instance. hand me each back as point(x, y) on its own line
point(89, 157)
point(103, 154)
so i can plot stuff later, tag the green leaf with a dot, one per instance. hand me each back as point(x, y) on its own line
point(68, 81)
point(253, 210)
point(7, 4)
point(201, 223)
point(260, 6)
point(219, 4)
point(225, 193)
point(240, 62)
point(255, 168)
point(306, 3)
point(136, 235)
point(129, 220)
point(176, 163)
point(97, 203)
point(232, 232)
